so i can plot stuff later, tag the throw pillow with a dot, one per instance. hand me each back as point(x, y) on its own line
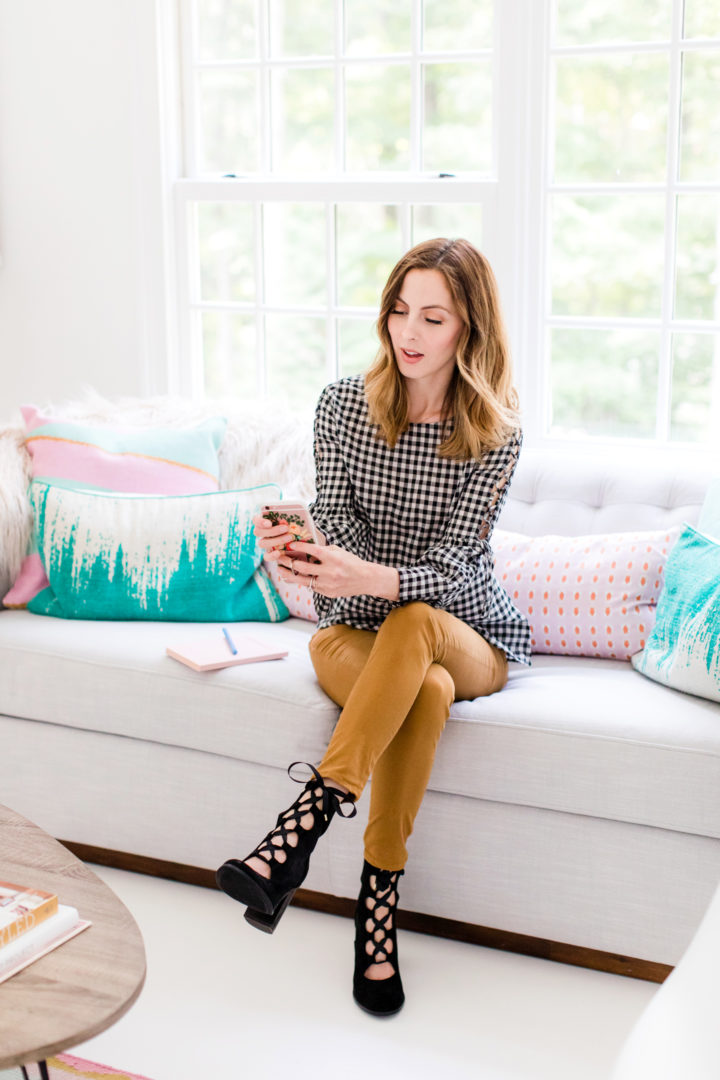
point(183, 558)
point(709, 522)
point(683, 650)
point(159, 461)
point(585, 595)
point(298, 598)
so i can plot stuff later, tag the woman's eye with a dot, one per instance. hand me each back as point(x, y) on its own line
point(435, 322)
point(396, 311)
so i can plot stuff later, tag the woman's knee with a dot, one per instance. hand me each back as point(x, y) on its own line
point(437, 692)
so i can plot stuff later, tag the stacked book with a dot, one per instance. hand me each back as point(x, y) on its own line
point(32, 924)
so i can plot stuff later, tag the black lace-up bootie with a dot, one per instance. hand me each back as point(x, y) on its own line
point(376, 941)
point(286, 850)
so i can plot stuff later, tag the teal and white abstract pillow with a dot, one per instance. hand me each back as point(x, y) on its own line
point(709, 522)
point(683, 650)
point(188, 558)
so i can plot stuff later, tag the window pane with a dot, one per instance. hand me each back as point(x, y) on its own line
point(607, 20)
point(225, 249)
point(295, 351)
point(604, 382)
point(453, 220)
point(697, 284)
point(229, 354)
point(226, 29)
point(377, 26)
point(611, 118)
point(298, 28)
point(228, 134)
point(457, 131)
point(369, 243)
point(377, 100)
point(357, 345)
point(303, 109)
point(607, 255)
point(294, 245)
point(700, 126)
point(451, 25)
point(695, 358)
point(702, 18)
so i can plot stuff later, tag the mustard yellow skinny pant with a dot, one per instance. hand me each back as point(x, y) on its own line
point(396, 686)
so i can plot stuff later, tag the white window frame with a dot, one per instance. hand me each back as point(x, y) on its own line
point(671, 187)
point(515, 210)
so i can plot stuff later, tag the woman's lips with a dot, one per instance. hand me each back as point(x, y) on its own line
point(410, 356)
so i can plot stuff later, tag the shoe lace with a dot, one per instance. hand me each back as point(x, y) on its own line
point(381, 903)
point(317, 799)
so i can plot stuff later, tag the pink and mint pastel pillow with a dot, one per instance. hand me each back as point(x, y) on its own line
point(150, 460)
point(585, 595)
point(683, 650)
point(188, 558)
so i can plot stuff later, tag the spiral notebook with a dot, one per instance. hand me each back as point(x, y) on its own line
point(211, 651)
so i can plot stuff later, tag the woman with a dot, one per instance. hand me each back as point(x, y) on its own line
point(413, 464)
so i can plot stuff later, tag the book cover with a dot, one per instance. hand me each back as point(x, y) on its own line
point(22, 908)
point(211, 651)
point(55, 931)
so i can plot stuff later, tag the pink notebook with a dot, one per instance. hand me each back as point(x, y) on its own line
point(210, 651)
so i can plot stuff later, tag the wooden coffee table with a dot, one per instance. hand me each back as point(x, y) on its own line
point(85, 985)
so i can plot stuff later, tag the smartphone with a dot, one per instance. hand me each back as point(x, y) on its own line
point(299, 523)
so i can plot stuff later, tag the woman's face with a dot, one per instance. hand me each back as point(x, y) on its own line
point(424, 328)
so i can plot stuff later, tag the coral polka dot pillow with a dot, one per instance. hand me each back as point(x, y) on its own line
point(585, 595)
point(298, 599)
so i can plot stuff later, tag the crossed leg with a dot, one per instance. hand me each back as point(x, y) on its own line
point(396, 686)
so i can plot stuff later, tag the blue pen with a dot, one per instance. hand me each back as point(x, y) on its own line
point(230, 641)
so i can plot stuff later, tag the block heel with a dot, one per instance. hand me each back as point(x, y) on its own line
point(267, 923)
point(289, 861)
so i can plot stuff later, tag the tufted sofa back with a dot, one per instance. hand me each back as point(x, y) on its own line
point(552, 492)
point(577, 494)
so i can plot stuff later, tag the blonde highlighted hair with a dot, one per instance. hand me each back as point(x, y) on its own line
point(481, 398)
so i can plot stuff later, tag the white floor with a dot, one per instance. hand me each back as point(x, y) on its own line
point(223, 1002)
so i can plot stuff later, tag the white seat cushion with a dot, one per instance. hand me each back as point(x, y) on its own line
point(571, 734)
point(589, 737)
point(115, 677)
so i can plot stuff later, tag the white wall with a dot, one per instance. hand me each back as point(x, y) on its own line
point(81, 279)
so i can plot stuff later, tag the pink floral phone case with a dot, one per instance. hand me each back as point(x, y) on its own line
point(299, 523)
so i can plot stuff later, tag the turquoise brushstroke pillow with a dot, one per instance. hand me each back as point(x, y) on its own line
point(188, 558)
point(683, 650)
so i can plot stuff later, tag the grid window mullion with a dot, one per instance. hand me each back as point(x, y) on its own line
point(339, 118)
point(665, 326)
point(265, 102)
point(332, 343)
point(673, 171)
point(416, 88)
point(260, 366)
point(189, 82)
point(235, 69)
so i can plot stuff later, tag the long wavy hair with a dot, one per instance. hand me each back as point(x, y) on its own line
point(481, 399)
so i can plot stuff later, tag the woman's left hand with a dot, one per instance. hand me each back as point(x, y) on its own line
point(338, 572)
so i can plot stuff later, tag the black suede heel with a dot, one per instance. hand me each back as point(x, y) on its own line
point(267, 898)
point(376, 942)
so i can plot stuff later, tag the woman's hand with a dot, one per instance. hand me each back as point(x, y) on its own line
point(339, 572)
point(271, 538)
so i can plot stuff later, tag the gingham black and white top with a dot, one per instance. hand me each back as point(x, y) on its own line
point(427, 516)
